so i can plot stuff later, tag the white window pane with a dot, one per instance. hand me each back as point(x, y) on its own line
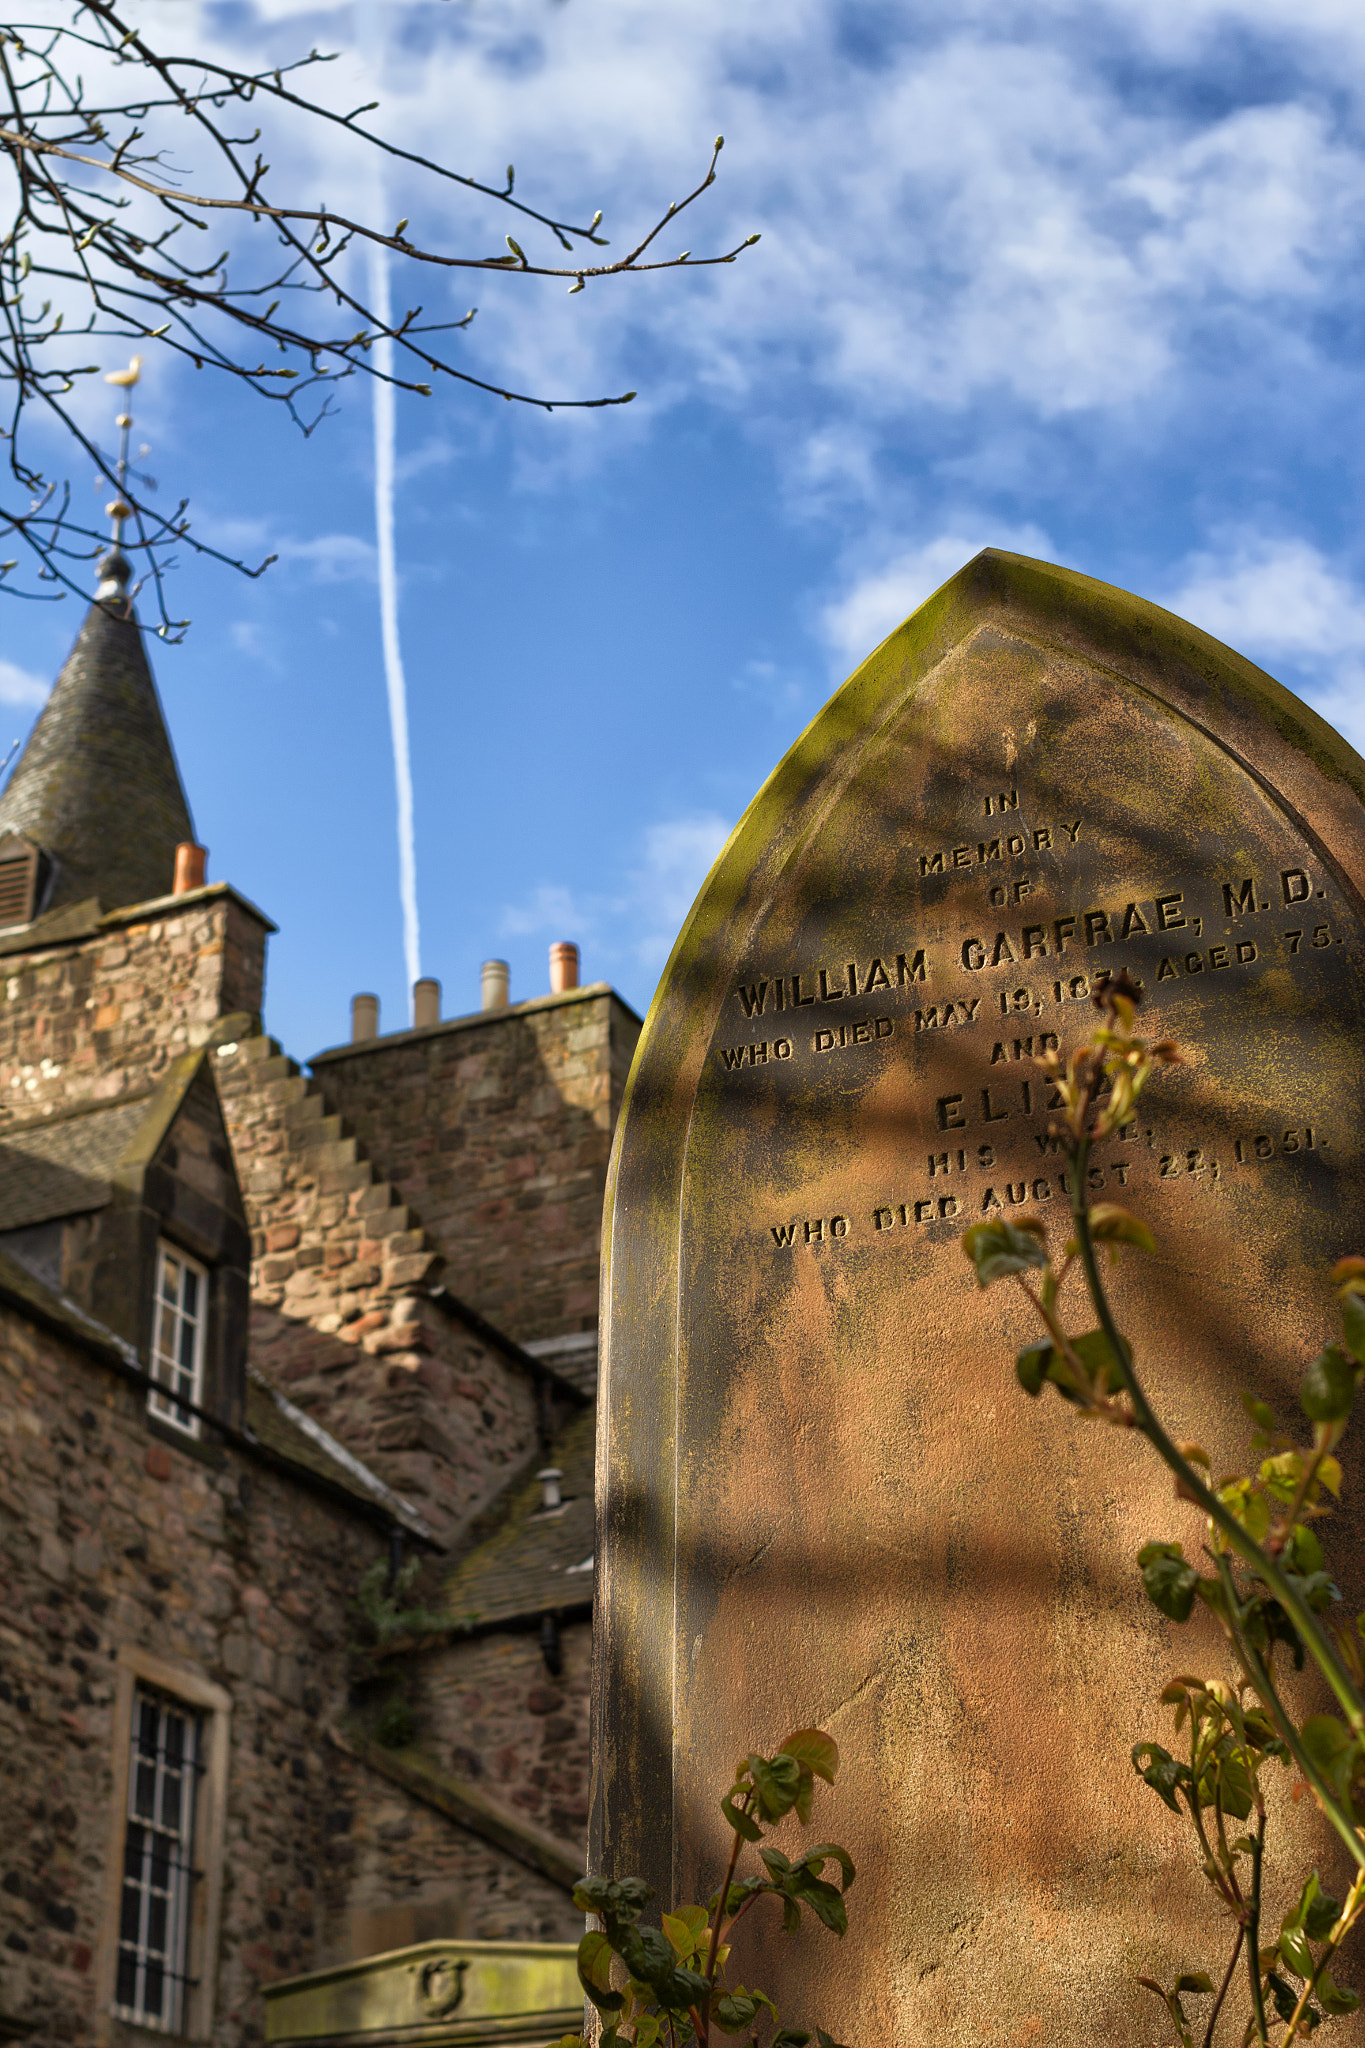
point(153, 1951)
point(177, 1362)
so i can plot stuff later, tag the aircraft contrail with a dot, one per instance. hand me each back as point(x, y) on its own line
point(396, 682)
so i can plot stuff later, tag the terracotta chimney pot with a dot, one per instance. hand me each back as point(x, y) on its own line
point(563, 966)
point(191, 867)
point(426, 1003)
point(495, 978)
point(364, 1018)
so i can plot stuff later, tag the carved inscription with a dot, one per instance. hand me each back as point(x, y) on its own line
point(1234, 927)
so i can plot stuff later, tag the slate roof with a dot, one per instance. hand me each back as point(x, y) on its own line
point(287, 1433)
point(97, 786)
point(64, 1165)
point(528, 1565)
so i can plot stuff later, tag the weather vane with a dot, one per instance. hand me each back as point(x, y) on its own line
point(115, 569)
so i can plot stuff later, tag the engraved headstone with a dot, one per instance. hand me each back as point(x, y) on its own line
point(823, 1498)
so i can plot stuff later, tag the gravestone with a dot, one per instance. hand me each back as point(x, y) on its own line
point(823, 1498)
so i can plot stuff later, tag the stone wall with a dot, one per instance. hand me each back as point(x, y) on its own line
point(489, 1711)
point(497, 1128)
point(98, 1017)
point(221, 1566)
point(399, 1873)
point(343, 1319)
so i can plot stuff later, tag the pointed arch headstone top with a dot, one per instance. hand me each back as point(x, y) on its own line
point(823, 1499)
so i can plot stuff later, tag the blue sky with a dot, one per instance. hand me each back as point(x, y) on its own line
point(1080, 279)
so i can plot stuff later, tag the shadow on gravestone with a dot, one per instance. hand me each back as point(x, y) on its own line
point(822, 1497)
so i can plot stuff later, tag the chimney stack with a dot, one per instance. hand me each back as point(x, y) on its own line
point(563, 966)
point(191, 867)
point(494, 980)
point(426, 1003)
point(550, 1495)
point(364, 1018)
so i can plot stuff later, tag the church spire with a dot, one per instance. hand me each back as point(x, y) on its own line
point(97, 788)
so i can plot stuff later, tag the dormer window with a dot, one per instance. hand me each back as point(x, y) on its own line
point(21, 875)
point(182, 1300)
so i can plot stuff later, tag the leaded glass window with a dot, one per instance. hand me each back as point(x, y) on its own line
point(158, 1872)
point(182, 1296)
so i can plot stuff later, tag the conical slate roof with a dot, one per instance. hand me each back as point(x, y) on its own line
point(97, 786)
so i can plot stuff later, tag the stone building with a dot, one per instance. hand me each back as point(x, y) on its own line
point(271, 1341)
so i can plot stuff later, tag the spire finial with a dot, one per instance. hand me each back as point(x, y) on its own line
point(119, 509)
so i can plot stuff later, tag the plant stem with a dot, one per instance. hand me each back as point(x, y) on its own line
point(1264, 1567)
point(1350, 1913)
point(1223, 1988)
point(1254, 1935)
point(710, 1971)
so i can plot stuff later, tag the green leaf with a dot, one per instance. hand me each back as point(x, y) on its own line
point(743, 1824)
point(999, 1249)
point(1109, 1224)
point(1261, 1413)
point(1194, 1980)
point(1325, 1739)
point(1322, 1916)
point(688, 1930)
point(777, 1781)
point(813, 1748)
point(1304, 1551)
point(1286, 1999)
point(1231, 1781)
point(733, 2011)
point(1161, 1772)
point(1294, 1950)
point(1281, 1475)
point(594, 1972)
point(790, 2037)
point(1329, 1386)
point(1096, 1354)
point(830, 1852)
point(1333, 1997)
point(1031, 1366)
point(1353, 1322)
point(1248, 1506)
point(622, 1898)
point(1170, 1583)
point(801, 1886)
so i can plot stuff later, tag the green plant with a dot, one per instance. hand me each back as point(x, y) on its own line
point(383, 1617)
point(1263, 1573)
point(383, 1612)
point(671, 1987)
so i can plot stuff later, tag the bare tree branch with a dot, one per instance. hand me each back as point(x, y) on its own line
point(97, 218)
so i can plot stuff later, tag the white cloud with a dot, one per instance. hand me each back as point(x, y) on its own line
point(678, 855)
point(1280, 596)
point(877, 600)
point(639, 921)
point(20, 688)
point(977, 208)
point(332, 557)
point(1281, 601)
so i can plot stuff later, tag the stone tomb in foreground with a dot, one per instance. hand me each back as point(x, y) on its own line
point(823, 1497)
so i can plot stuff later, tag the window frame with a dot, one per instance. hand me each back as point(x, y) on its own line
point(141, 1672)
point(164, 1398)
point(165, 1875)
